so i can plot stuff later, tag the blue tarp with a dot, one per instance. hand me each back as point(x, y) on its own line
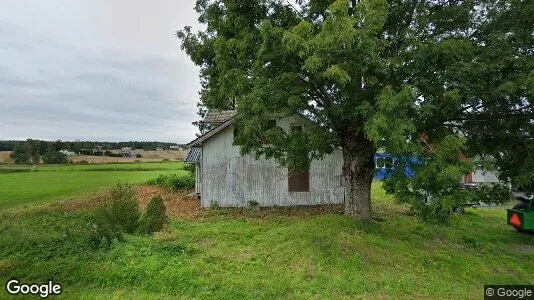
point(386, 165)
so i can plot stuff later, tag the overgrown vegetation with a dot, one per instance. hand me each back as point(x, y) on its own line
point(120, 214)
point(55, 157)
point(278, 255)
point(493, 193)
point(154, 218)
point(173, 181)
point(190, 168)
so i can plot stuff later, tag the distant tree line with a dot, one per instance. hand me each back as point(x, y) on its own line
point(78, 146)
point(32, 151)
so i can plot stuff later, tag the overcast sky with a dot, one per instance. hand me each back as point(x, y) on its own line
point(107, 70)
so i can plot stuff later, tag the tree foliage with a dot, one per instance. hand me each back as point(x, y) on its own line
point(55, 157)
point(446, 81)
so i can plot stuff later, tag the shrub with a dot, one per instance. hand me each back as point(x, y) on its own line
point(54, 157)
point(154, 218)
point(173, 181)
point(190, 168)
point(493, 194)
point(178, 182)
point(117, 215)
point(103, 234)
point(111, 154)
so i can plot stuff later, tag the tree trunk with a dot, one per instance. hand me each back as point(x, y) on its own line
point(358, 172)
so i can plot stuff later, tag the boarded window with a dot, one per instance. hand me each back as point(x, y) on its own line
point(296, 127)
point(298, 181)
point(270, 124)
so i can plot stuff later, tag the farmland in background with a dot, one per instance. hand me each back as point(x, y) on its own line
point(4, 157)
point(146, 156)
point(28, 184)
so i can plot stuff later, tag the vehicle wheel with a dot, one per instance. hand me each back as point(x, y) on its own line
point(520, 206)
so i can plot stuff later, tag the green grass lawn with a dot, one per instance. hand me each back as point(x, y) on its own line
point(241, 255)
point(46, 183)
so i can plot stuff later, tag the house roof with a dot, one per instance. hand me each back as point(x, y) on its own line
point(218, 116)
point(196, 142)
point(193, 156)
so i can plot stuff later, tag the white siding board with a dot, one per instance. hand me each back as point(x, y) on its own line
point(231, 180)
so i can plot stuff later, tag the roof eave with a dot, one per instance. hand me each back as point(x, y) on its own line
point(198, 141)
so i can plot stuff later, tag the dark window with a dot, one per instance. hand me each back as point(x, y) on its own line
point(296, 127)
point(237, 131)
point(270, 124)
point(298, 181)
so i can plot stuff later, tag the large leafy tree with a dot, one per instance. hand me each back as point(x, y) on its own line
point(441, 80)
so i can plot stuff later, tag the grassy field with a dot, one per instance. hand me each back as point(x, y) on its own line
point(254, 255)
point(23, 185)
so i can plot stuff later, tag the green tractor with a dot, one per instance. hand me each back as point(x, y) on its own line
point(521, 216)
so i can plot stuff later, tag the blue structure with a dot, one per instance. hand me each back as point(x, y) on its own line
point(385, 165)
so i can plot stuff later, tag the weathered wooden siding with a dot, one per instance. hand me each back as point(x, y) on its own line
point(198, 178)
point(232, 180)
point(482, 176)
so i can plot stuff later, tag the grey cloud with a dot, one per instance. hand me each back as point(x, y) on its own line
point(50, 89)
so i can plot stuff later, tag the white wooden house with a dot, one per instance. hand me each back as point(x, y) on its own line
point(226, 178)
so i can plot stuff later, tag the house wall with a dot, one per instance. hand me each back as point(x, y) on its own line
point(198, 178)
point(231, 180)
point(482, 176)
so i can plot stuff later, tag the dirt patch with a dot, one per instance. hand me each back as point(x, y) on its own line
point(184, 206)
point(177, 203)
point(83, 203)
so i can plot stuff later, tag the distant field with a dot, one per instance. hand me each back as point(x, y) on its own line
point(45, 183)
point(4, 155)
point(147, 156)
point(96, 167)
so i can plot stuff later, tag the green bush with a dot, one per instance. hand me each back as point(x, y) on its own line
point(173, 181)
point(190, 168)
point(103, 234)
point(154, 218)
point(54, 157)
point(118, 214)
point(493, 194)
point(111, 154)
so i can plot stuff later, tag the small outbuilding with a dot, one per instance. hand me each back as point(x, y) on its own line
point(226, 178)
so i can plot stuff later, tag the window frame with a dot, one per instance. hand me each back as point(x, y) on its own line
point(293, 183)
